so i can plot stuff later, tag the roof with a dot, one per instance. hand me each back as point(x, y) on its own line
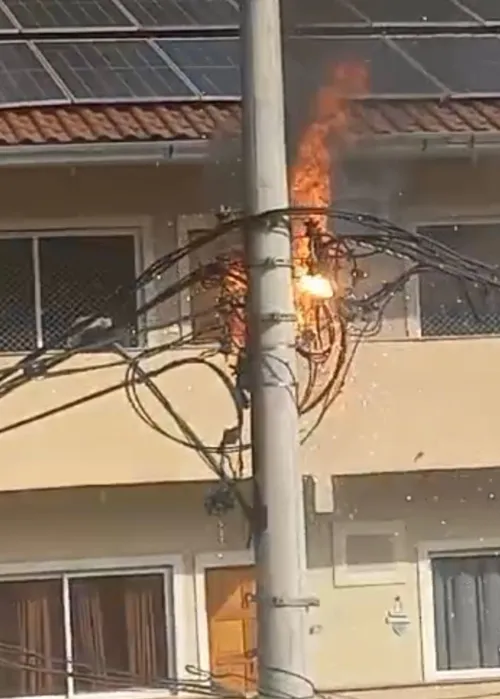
point(113, 123)
point(140, 123)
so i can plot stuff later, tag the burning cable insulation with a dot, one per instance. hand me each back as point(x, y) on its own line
point(318, 266)
point(312, 185)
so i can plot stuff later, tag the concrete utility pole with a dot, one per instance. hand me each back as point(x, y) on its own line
point(280, 541)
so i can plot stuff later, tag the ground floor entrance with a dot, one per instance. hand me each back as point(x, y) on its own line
point(232, 628)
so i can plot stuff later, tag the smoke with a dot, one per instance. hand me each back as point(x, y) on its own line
point(223, 173)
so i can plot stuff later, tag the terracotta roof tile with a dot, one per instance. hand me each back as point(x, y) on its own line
point(202, 120)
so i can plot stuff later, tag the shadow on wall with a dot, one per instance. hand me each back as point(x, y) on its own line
point(319, 541)
point(222, 177)
point(435, 505)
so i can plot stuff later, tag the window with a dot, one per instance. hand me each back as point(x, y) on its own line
point(466, 600)
point(449, 307)
point(68, 634)
point(47, 284)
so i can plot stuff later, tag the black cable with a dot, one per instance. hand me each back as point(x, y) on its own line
point(402, 243)
point(376, 236)
point(135, 373)
point(122, 294)
point(204, 683)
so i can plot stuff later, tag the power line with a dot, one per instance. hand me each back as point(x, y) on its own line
point(375, 236)
point(333, 344)
point(204, 682)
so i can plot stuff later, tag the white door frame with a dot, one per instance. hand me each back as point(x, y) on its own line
point(203, 562)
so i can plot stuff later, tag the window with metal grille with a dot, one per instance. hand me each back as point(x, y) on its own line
point(50, 283)
point(449, 307)
point(466, 594)
point(112, 630)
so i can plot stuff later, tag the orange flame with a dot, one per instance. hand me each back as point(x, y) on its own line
point(311, 175)
point(311, 186)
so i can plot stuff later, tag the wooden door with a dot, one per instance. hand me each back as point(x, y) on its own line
point(232, 630)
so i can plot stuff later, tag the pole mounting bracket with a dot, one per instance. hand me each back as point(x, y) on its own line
point(303, 602)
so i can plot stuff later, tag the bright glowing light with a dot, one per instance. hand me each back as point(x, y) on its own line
point(315, 285)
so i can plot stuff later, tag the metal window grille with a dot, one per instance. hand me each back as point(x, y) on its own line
point(17, 289)
point(453, 308)
point(78, 275)
point(47, 284)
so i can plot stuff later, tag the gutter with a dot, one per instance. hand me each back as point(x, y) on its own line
point(399, 146)
point(136, 153)
point(425, 145)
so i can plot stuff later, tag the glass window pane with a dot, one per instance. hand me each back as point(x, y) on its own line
point(467, 612)
point(17, 309)
point(119, 632)
point(31, 639)
point(78, 275)
point(449, 307)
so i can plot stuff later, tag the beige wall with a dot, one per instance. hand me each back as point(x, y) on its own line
point(118, 523)
point(354, 648)
point(407, 405)
point(103, 441)
point(351, 649)
point(412, 405)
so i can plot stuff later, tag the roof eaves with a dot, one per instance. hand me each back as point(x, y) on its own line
point(167, 151)
point(122, 153)
point(421, 145)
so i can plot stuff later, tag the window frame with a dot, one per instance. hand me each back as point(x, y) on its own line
point(426, 552)
point(184, 224)
point(171, 566)
point(140, 228)
point(204, 562)
point(412, 291)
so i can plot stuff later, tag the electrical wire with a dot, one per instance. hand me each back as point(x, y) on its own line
point(204, 682)
point(336, 331)
point(328, 345)
point(374, 236)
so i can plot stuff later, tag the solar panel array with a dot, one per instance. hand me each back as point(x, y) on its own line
point(91, 14)
point(88, 51)
point(390, 13)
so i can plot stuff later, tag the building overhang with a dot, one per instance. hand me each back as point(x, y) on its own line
point(425, 145)
point(196, 151)
point(155, 153)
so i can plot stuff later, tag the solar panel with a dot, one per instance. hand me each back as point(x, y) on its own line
point(5, 23)
point(184, 13)
point(114, 70)
point(389, 74)
point(399, 12)
point(320, 13)
point(212, 65)
point(67, 14)
point(465, 64)
point(488, 10)
point(23, 78)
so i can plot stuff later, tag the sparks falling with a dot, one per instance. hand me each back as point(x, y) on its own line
point(311, 184)
point(312, 173)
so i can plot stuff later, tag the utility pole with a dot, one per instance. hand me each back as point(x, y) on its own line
point(280, 536)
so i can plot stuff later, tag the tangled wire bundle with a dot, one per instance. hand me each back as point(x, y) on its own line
point(328, 331)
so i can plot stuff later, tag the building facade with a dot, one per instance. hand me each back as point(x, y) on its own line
point(401, 477)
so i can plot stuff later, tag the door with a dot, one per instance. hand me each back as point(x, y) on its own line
point(232, 631)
